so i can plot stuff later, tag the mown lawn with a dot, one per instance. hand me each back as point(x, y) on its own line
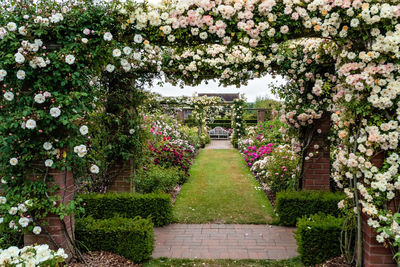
point(163, 262)
point(221, 189)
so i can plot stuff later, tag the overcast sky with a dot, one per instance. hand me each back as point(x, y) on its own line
point(257, 87)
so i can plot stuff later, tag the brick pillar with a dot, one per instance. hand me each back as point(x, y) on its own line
point(65, 182)
point(121, 174)
point(375, 254)
point(181, 115)
point(316, 170)
point(260, 116)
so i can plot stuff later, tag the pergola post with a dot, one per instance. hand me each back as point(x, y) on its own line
point(260, 116)
point(317, 169)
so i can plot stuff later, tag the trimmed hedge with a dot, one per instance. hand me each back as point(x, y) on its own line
point(292, 205)
point(318, 238)
point(131, 238)
point(156, 206)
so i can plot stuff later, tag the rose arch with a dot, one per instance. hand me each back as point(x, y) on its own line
point(60, 61)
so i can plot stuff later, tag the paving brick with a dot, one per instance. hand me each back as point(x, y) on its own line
point(219, 241)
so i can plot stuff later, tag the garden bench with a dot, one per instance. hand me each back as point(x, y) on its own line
point(218, 133)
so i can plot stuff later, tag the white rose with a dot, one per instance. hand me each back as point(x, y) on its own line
point(30, 124)
point(12, 27)
point(48, 163)
point(84, 130)
point(55, 112)
point(108, 36)
point(47, 146)
point(37, 230)
point(116, 53)
point(70, 59)
point(21, 75)
point(9, 96)
point(94, 169)
point(23, 222)
point(40, 98)
point(13, 211)
point(138, 39)
point(110, 68)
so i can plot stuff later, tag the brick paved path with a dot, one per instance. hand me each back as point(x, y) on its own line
point(225, 241)
point(219, 144)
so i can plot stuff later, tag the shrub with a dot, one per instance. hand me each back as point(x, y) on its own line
point(131, 238)
point(291, 205)
point(318, 238)
point(103, 206)
point(10, 238)
point(157, 178)
point(278, 168)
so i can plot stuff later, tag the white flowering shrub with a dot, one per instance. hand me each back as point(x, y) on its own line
point(32, 256)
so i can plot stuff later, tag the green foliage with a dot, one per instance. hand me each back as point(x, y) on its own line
point(157, 206)
point(318, 238)
point(268, 104)
point(238, 123)
point(205, 139)
point(10, 239)
point(131, 238)
point(157, 178)
point(291, 205)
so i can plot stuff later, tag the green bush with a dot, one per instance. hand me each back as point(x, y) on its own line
point(131, 238)
point(157, 206)
point(318, 238)
point(291, 205)
point(205, 139)
point(10, 238)
point(157, 178)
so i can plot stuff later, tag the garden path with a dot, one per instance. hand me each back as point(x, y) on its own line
point(222, 190)
point(219, 144)
point(225, 241)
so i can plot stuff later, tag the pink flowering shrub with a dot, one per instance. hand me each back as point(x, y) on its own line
point(278, 170)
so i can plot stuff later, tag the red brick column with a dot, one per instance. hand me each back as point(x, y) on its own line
point(375, 254)
point(316, 170)
point(260, 115)
point(121, 174)
point(65, 182)
point(181, 115)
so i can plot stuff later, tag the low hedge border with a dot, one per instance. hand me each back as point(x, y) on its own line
point(156, 206)
point(318, 238)
point(292, 205)
point(131, 238)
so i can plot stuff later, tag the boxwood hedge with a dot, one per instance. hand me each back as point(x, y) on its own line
point(292, 205)
point(156, 206)
point(131, 238)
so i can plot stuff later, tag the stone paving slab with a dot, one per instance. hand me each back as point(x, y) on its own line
point(225, 241)
point(219, 144)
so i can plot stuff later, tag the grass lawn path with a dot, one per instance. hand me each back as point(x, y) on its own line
point(221, 189)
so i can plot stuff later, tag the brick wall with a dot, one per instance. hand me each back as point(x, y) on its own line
point(120, 175)
point(260, 116)
point(65, 181)
point(316, 172)
point(376, 254)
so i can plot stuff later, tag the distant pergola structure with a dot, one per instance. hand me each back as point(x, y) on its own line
point(227, 99)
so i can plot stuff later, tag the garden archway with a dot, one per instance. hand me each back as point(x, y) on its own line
point(52, 52)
